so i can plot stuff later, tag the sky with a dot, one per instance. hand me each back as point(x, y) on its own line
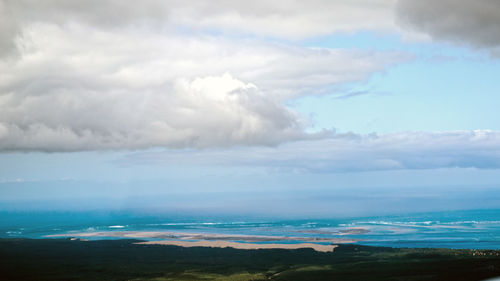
point(339, 107)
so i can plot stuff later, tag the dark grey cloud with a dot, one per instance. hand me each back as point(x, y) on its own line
point(473, 23)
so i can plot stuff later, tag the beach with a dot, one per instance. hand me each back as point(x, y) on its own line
point(242, 246)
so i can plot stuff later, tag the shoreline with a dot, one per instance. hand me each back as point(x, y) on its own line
point(241, 245)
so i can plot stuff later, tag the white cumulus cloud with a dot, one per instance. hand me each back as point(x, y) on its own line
point(73, 87)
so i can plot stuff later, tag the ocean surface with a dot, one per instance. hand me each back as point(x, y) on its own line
point(475, 229)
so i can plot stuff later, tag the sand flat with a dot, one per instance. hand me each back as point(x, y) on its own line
point(239, 245)
point(184, 239)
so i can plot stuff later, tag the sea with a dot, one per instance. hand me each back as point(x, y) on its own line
point(471, 229)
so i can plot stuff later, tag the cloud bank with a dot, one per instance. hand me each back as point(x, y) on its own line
point(350, 153)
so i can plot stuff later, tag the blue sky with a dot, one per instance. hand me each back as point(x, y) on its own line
point(443, 87)
point(323, 98)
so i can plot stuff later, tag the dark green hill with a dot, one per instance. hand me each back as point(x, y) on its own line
point(63, 259)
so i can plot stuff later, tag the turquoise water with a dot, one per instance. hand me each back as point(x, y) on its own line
point(476, 229)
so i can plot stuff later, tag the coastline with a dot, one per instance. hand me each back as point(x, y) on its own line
point(242, 246)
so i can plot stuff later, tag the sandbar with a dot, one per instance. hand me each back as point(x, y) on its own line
point(201, 236)
point(214, 240)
